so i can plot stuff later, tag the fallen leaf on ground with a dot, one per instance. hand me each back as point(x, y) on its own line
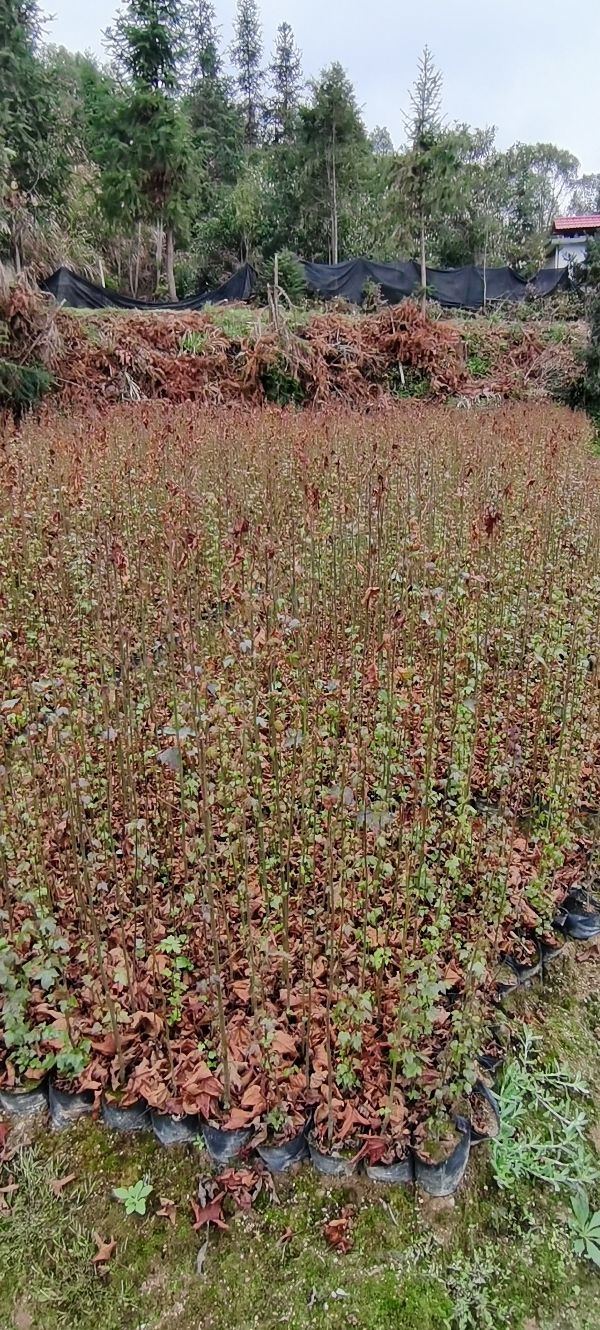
point(105, 1250)
point(337, 1232)
point(168, 1210)
point(57, 1184)
point(453, 975)
point(241, 1185)
point(210, 1214)
point(284, 1044)
point(207, 1189)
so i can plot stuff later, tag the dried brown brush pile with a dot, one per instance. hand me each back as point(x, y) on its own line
point(333, 358)
point(297, 714)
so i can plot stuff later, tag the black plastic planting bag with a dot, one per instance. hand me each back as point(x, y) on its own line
point(223, 1146)
point(575, 918)
point(523, 973)
point(331, 1165)
point(25, 1103)
point(65, 1109)
point(279, 1158)
point(443, 1179)
point(170, 1130)
point(134, 1118)
point(401, 1172)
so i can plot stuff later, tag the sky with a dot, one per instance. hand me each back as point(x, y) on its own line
point(529, 67)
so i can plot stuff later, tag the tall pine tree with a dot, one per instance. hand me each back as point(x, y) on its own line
point(428, 172)
point(147, 152)
point(333, 132)
point(215, 120)
point(27, 167)
point(246, 53)
point(202, 40)
point(285, 77)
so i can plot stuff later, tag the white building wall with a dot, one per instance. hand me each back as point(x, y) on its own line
point(568, 251)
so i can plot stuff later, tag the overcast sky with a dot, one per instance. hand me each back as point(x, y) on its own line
point(530, 67)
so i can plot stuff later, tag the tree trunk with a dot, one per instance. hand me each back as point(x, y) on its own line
point(159, 250)
point(137, 261)
point(423, 268)
point(334, 204)
point(171, 264)
point(485, 249)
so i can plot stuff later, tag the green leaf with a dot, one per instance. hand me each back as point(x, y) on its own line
point(593, 1252)
point(581, 1208)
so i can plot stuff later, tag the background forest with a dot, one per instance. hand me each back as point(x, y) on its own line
point(182, 156)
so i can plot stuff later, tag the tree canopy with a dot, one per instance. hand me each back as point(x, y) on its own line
point(180, 155)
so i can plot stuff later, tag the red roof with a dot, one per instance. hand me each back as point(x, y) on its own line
point(589, 222)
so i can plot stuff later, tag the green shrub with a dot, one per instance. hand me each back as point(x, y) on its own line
point(281, 386)
point(23, 386)
point(291, 277)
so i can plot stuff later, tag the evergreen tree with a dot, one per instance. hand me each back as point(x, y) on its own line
point(215, 120)
point(146, 153)
point(285, 77)
point(246, 53)
point(380, 142)
point(204, 56)
point(427, 173)
point(27, 167)
point(334, 135)
point(22, 104)
point(147, 43)
point(471, 227)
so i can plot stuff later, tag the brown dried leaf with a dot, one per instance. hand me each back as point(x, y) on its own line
point(168, 1210)
point(284, 1044)
point(210, 1214)
point(105, 1250)
point(57, 1184)
point(337, 1232)
point(253, 1098)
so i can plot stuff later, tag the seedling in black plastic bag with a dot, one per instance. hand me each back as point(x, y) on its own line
point(134, 1198)
point(585, 1228)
